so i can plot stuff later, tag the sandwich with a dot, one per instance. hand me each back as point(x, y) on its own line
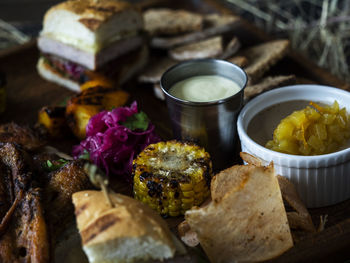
point(128, 231)
point(85, 39)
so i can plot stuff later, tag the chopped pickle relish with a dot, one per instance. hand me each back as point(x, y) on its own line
point(314, 130)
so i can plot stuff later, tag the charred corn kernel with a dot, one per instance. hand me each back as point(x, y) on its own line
point(88, 103)
point(53, 119)
point(172, 176)
point(312, 131)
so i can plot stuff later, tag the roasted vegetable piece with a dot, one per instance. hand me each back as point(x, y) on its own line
point(97, 79)
point(88, 103)
point(54, 119)
point(172, 176)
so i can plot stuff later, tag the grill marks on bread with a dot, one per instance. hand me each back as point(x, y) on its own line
point(98, 227)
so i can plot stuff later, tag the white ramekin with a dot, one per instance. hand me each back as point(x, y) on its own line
point(321, 180)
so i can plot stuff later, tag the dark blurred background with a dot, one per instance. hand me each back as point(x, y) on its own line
point(318, 28)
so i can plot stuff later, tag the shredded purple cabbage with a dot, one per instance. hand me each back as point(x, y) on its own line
point(111, 146)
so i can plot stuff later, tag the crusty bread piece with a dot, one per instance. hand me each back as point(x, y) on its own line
point(246, 220)
point(240, 61)
point(208, 48)
point(213, 28)
point(91, 25)
point(154, 72)
point(128, 232)
point(268, 83)
point(262, 57)
point(164, 21)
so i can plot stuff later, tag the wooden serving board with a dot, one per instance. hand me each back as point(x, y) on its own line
point(27, 93)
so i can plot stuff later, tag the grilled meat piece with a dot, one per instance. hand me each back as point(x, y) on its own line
point(26, 238)
point(16, 165)
point(62, 184)
point(23, 234)
point(22, 135)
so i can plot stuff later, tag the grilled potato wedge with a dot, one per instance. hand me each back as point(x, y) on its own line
point(88, 103)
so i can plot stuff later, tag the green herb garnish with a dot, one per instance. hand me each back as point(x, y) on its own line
point(137, 121)
point(53, 166)
point(85, 155)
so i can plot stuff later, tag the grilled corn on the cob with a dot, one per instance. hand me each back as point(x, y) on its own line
point(171, 177)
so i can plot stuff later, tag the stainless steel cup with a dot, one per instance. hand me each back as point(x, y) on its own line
point(209, 124)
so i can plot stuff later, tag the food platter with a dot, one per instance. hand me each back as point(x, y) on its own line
point(27, 93)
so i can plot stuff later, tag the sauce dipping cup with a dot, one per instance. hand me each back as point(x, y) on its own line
point(210, 124)
point(321, 180)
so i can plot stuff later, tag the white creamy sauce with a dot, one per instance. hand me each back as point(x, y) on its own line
point(204, 88)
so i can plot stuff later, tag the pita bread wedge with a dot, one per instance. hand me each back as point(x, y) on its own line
point(263, 56)
point(214, 20)
point(231, 48)
point(246, 220)
point(158, 93)
point(164, 21)
point(268, 83)
point(154, 72)
point(240, 61)
point(298, 219)
point(211, 31)
point(208, 48)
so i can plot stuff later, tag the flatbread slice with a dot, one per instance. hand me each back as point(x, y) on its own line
point(158, 93)
point(164, 21)
point(298, 219)
point(246, 220)
point(155, 70)
point(214, 20)
point(212, 30)
point(240, 61)
point(268, 83)
point(231, 48)
point(208, 48)
point(263, 56)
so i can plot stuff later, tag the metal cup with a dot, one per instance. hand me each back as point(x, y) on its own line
point(210, 124)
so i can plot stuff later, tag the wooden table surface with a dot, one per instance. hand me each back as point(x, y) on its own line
point(27, 93)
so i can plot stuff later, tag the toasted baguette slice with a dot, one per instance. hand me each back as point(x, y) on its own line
point(262, 57)
point(128, 232)
point(208, 48)
point(164, 21)
point(268, 83)
point(246, 220)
